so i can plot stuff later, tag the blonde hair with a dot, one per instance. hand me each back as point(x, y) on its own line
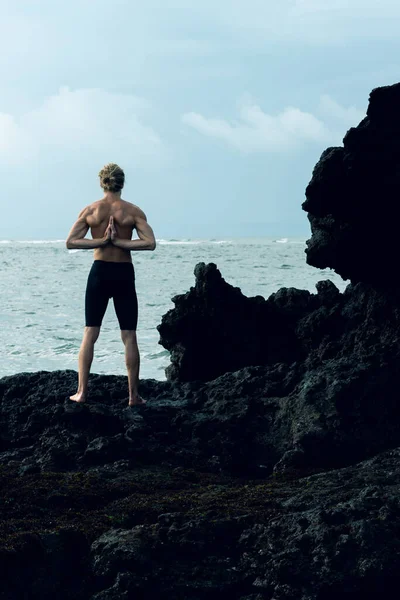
point(112, 178)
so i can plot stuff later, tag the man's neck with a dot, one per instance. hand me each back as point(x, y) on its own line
point(111, 196)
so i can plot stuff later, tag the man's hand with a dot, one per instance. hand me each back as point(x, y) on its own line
point(107, 234)
point(113, 234)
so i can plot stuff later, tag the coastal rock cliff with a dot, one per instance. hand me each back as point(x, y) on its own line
point(266, 466)
point(352, 198)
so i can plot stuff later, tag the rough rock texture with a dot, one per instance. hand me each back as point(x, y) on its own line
point(334, 536)
point(329, 396)
point(102, 501)
point(180, 534)
point(214, 328)
point(352, 199)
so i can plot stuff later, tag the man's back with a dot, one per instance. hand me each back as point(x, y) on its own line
point(125, 217)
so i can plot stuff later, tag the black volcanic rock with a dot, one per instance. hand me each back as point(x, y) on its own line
point(333, 537)
point(352, 198)
point(214, 328)
point(154, 535)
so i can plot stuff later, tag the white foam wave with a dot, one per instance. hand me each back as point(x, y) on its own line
point(190, 242)
point(282, 241)
point(40, 241)
point(32, 242)
point(160, 241)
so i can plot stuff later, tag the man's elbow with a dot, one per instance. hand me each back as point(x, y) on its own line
point(153, 245)
point(69, 244)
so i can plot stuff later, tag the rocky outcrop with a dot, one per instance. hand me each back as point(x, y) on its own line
point(352, 199)
point(330, 390)
point(214, 328)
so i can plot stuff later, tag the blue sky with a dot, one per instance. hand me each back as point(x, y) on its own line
point(217, 111)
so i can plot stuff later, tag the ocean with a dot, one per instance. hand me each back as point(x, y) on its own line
point(42, 287)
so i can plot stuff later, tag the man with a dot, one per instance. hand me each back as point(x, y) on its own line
point(112, 221)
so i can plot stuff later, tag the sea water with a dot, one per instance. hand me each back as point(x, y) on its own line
point(42, 290)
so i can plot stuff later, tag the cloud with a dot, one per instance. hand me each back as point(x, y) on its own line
point(81, 123)
point(291, 129)
point(347, 116)
point(320, 22)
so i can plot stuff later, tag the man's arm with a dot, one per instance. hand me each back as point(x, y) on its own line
point(146, 240)
point(75, 239)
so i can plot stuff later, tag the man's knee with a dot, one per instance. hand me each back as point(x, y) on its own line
point(91, 334)
point(128, 336)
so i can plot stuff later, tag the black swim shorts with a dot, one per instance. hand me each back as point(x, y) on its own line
point(114, 280)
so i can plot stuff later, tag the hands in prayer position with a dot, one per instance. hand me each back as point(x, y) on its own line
point(90, 218)
point(110, 234)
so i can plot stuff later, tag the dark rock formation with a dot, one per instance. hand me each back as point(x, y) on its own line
point(332, 537)
point(329, 391)
point(352, 199)
point(180, 534)
point(214, 328)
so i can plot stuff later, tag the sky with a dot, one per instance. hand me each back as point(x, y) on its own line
point(216, 110)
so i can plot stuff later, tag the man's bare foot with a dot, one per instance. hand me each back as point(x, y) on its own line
point(136, 401)
point(78, 397)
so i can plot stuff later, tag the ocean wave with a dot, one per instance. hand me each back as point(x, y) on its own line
point(191, 242)
point(32, 241)
point(162, 242)
point(155, 355)
point(282, 241)
point(40, 241)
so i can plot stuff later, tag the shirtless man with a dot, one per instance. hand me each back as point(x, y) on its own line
point(112, 221)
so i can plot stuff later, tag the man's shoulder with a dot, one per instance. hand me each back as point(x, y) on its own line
point(89, 209)
point(96, 204)
point(133, 208)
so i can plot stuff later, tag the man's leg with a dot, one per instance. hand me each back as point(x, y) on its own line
point(132, 360)
point(96, 300)
point(85, 361)
point(126, 309)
